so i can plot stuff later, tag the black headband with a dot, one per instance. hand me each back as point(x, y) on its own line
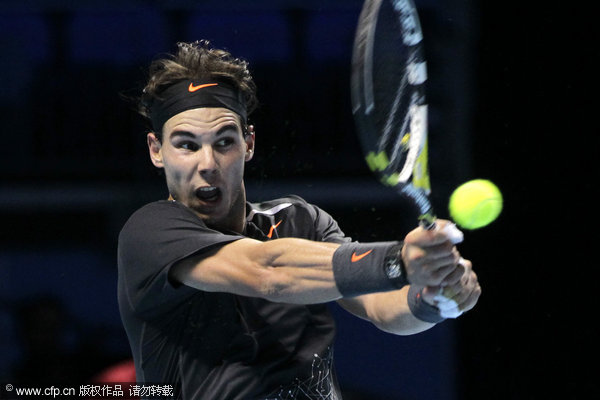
point(186, 95)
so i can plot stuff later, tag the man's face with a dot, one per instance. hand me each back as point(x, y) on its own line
point(203, 152)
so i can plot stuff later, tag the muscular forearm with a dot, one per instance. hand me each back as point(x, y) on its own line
point(298, 270)
point(283, 270)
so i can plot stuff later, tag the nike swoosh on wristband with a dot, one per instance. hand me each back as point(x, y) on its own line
point(193, 88)
point(358, 257)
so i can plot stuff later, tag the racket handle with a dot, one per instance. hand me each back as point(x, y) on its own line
point(454, 234)
point(427, 221)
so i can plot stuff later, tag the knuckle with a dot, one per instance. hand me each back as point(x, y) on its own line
point(436, 278)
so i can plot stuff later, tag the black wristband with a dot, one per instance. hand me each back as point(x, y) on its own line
point(421, 309)
point(367, 268)
point(394, 266)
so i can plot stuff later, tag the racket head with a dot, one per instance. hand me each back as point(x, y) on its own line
point(388, 79)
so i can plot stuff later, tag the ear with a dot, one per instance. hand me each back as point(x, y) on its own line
point(155, 150)
point(249, 138)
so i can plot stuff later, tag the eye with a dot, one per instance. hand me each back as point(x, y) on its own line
point(187, 145)
point(225, 142)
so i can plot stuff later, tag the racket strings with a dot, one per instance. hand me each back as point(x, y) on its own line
point(402, 142)
point(406, 144)
point(389, 127)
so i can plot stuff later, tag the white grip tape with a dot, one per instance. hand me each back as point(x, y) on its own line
point(448, 307)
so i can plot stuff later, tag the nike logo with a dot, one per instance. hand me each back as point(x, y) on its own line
point(273, 227)
point(358, 257)
point(193, 88)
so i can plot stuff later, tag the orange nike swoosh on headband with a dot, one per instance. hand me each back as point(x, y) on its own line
point(193, 88)
point(358, 257)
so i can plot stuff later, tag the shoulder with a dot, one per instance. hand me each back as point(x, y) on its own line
point(161, 233)
point(162, 223)
point(157, 214)
point(162, 209)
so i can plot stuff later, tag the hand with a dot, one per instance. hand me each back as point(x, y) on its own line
point(459, 295)
point(430, 257)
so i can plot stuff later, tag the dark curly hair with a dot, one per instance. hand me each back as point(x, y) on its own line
point(197, 61)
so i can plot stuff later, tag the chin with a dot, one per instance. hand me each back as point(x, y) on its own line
point(222, 215)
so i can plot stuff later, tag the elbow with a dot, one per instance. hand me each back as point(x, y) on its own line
point(400, 330)
point(395, 317)
point(403, 327)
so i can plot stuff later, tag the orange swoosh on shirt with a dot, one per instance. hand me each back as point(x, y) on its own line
point(358, 257)
point(193, 88)
point(273, 227)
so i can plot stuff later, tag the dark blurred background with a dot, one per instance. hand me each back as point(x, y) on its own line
point(511, 94)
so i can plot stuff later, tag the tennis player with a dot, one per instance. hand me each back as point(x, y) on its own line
point(226, 299)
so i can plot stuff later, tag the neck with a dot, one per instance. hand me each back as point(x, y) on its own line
point(236, 221)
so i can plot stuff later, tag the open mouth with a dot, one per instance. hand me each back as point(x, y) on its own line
point(208, 193)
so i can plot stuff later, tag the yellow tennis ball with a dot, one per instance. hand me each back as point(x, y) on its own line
point(475, 204)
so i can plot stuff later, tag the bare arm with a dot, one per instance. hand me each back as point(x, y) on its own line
point(282, 270)
point(390, 311)
point(387, 311)
point(301, 271)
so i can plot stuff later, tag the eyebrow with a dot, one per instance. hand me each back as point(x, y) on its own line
point(223, 129)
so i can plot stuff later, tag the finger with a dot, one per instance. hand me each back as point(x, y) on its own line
point(440, 250)
point(461, 289)
point(430, 293)
point(434, 296)
point(430, 273)
point(460, 275)
point(455, 276)
point(471, 300)
point(440, 255)
point(473, 283)
point(466, 263)
point(454, 300)
point(465, 292)
point(437, 275)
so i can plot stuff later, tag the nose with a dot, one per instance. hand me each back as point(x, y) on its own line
point(207, 163)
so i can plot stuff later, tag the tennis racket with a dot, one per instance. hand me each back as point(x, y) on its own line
point(388, 79)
